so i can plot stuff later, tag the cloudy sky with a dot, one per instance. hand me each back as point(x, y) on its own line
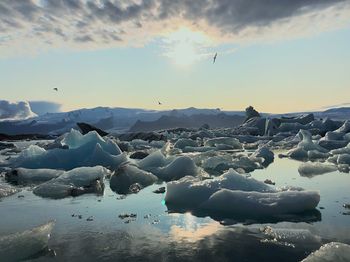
point(278, 55)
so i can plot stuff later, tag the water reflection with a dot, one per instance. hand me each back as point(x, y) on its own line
point(230, 219)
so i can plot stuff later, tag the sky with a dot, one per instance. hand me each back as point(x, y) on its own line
point(277, 55)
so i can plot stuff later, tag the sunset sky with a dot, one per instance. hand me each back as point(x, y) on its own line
point(278, 55)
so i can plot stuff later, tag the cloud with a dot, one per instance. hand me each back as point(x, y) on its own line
point(92, 24)
point(15, 111)
point(43, 107)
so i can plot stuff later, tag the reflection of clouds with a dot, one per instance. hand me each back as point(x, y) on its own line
point(193, 232)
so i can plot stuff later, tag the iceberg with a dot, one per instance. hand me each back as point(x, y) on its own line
point(74, 139)
point(127, 175)
point(230, 141)
point(74, 182)
point(238, 195)
point(192, 192)
point(183, 142)
point(180, 167)
point(257, 204)
point(87, 150)
point(23, 245)
point(264, 153)
point(23, 176)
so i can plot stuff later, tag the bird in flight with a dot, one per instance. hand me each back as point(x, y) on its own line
point(215, 56)
point(56, 89)
point(159, 103)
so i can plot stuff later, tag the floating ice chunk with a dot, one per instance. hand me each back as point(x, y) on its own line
point(265, 153)
point(225, 141)
point(89, 154)
point(101, 157)
point(183, 142)
point(344, 150)
point(237, 194)
point(7, 190)
point(307, 144)
point(217, 163)
point(310, 169)
point(314, 154)
point(330, 252)
point(155, 159)
point(32, 152)
point(127, 175)
point(191, 192)
point(333, 135)
point(256, 204)
point(345, 128)
point(332, 144)
point(19, 246)
point(344, 159)
point(189, 149)
point(31, 176)
point(74, 182)
point(180, 167)
point(74, 139)
point(157, 144)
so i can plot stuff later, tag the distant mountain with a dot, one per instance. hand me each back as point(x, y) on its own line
point(111, 119)
point(340, 113)
point(123, 119)
point(192, 121)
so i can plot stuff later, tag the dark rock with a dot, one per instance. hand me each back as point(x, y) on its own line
point(250, 112)
point(6, 145)
point(160, 190)
point(301, 119)
point(5, 137)
point(86, 128)
point(332, 144)
point(146, 136)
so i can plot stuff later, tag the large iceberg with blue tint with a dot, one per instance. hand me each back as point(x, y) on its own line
point(83, 150)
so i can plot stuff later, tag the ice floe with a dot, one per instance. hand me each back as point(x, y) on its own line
point(84, 150)
point(24, 176)
point(74, 182)
point(127, 175)
point(239, 195)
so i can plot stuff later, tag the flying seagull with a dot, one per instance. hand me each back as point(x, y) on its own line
point(214, 59)
point(56, 89)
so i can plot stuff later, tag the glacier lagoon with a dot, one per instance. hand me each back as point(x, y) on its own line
point(92, 227)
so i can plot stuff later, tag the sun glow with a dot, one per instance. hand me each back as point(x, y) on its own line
point(184, 46)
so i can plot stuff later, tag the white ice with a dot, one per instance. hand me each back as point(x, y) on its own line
point(32, 176)
point(230, 141)
point(238, 194)
point(83, 179)
point(126, 175)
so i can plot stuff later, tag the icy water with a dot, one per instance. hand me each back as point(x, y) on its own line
point(156, 235)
